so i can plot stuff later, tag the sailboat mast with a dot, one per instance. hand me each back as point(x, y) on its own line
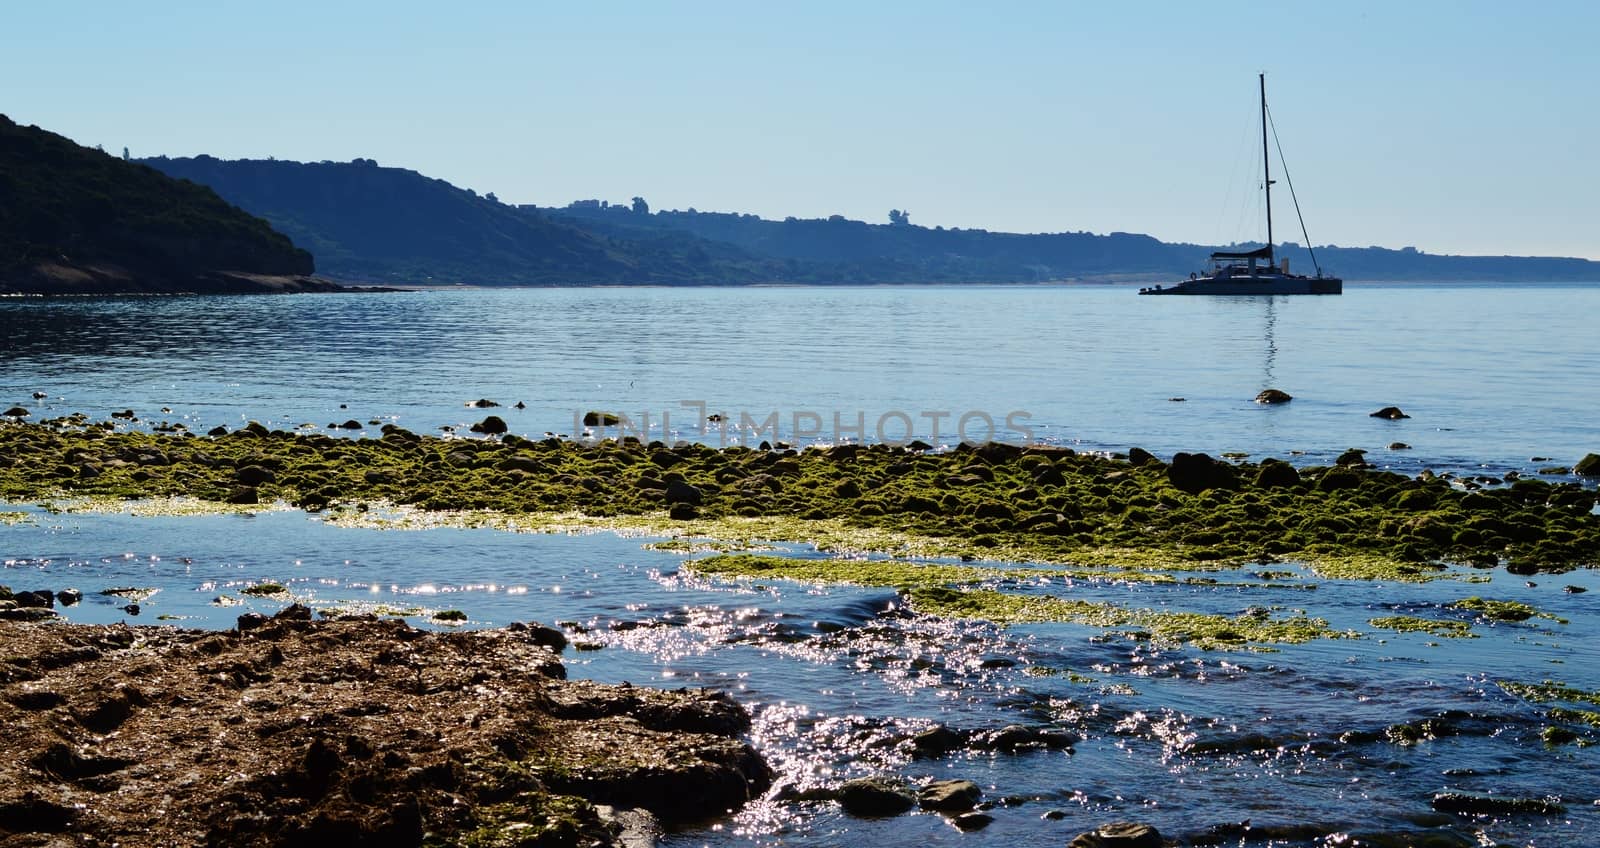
point(1266, 166)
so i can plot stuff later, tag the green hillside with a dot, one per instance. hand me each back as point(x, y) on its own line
point(370, 223)
point(76, 220)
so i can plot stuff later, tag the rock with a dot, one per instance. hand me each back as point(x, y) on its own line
point(1399, 446)
point(243, 495)
point(17, 412)
point(1352, 458)
point(949, 796)
point(1574, 590)
point(131, 609)
point(682, 512)
point(218, 430)
point(68, 597)
point(875, 797)
point(45, 599)
point(970, 822)
point(1196, 472)
point(1140, 456)
point(1276, 474)
point(680, 492)
point(490, 425)
point(600, 419)
point(1118, 835)
point(995, 511)
point(482, 403)
point(1589, 466)
point(251, 621)
point(847, 489)
point(1392, 413)
point(1053, 815)
point(15, 613)
point(1470, 803)
point(936, 741)
point(539, 634)
point(255, 475)
point(293, 612)
point(1273, 396)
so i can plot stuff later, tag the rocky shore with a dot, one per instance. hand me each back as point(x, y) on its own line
point(355, 732)
point(990, 501)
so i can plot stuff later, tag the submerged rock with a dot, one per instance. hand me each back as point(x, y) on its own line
point(875, 797)
point(949, 796)
point(1392, 413)
point(1471, 803)
point(1118, 835)
point(1273, 396)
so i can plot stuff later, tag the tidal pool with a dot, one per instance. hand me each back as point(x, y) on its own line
point(1410, 689)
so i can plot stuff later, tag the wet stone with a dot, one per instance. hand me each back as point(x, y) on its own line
point(1118, 835)
point(949, 796)
point(875, 797)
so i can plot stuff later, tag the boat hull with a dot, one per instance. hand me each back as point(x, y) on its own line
point(1263, 285)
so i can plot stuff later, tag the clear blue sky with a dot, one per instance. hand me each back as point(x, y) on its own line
point(1457, 127)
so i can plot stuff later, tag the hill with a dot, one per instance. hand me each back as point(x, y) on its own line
point(367, 222)
point(76, 220)
point(903, 252)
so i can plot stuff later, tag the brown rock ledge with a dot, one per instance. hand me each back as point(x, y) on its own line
point(351, 732)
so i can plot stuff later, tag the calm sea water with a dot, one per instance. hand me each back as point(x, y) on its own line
point(1489, 374)
point(835, 676)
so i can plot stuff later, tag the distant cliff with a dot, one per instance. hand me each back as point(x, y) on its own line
point(74, 220)
point(370, 223)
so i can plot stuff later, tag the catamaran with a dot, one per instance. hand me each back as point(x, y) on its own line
point(1255, 271)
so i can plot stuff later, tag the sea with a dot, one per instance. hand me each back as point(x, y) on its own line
point(1337, 742)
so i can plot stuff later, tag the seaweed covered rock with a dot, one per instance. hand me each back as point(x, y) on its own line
point(1589, 466)
point(1196, 472)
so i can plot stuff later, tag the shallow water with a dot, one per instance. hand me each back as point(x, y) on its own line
point(839, 677)
point(1492, 375)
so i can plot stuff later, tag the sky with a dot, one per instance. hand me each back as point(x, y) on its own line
point(1455, 127)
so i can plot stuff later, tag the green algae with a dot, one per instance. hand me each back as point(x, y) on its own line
point(266, 590)
point(1548, 690)
point(1205, 631)
point(1412, 624)
point(896, 572)
point(991, 502)
point(15, 517)
point(1503, 610)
